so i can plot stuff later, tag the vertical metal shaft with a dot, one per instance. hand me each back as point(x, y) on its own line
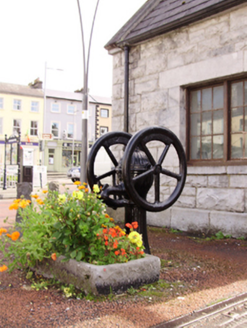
point(126, 89)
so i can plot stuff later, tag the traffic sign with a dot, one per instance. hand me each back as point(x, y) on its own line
point(47, 136)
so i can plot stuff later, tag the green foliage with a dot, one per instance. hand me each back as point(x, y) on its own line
point(73, 225)
point(174, 231)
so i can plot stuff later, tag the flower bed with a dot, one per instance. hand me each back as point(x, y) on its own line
point(76, 227)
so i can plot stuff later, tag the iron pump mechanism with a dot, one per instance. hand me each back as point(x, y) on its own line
point(143, 175)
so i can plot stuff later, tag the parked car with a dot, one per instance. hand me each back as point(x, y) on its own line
point(74, 173)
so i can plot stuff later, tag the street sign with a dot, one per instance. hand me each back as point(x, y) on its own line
point(47, 136)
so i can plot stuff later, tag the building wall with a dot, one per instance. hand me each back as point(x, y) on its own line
point(214, 198)
point(8, 114)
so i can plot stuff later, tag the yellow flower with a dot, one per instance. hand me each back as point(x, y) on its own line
point(2, 230)
point(62, 198)
point(78, 194)
point(135, 238)
point(35, 196)
point(13, 206)
point(96, 188)
point(77, 183)
point(3, 268)
point(44, 191)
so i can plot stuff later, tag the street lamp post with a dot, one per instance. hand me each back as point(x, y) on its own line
point(84, 141)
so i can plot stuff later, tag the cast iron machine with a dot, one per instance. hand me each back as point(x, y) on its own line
point(145, 177)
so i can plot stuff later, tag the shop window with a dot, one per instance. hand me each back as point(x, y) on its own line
point(16, 126)
point(35, 106)
point(66, 158)
point(104, 112)
point(17, 104)
point(103, 130)
point(34, 128)
point(217, 127)
point(70, 130)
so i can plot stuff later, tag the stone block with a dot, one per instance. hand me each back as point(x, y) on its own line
point(186, 201)
point(102, 279)
point(238, 181)
point(189, 191)
point(209, 170)
point(218, 181)
point(238, 169)
point(118, 75)
point(196, 181)
point(156, 63)
point(137, 72)
point(145, 87)
point(159, 219)
point(234, 224)
point(154, 101)
point(117, 90)
point(238, 18)
point(190, 220)
point(231, 200)
point(144, 119)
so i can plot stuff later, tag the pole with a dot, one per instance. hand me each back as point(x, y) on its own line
point(84, 141)
point(5, 172)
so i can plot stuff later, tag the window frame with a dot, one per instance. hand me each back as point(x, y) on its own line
point(59, 109)
point(226, 160)
point(103, 127)
point(71, 105)
point(1, 103)
point(33, 128)
point(37, 103)
point(16, 105)
point(104, 109)
point(58, 123)
point(67, 134)
point(19, 128)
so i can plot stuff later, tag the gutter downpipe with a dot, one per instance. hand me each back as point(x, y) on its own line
point(126, 89)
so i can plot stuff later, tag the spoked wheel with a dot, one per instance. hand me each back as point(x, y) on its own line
point(162, 148)
point(107, 142)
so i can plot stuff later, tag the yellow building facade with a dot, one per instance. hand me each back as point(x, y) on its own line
point(21, 109)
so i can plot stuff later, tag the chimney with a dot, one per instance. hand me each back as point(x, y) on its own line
point(37, 84)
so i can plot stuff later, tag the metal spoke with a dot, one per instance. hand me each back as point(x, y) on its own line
point(163, 155)
point(144, 174)
point(157, 188)
point(147, 152)
point(112, 157)
point(107, 174)
point(171, 174)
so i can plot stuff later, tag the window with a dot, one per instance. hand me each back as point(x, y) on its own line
point(1, 103)
point(34, 106)
point(103, 130)
point(51, 153)
point(218, 122)
point(17, 104)
point(34, 128)
point(55, 108)
point(70, 132)
point(55, 129)
point(104, 112)
point(71, 109)
point(16, 126)
point(1, 125)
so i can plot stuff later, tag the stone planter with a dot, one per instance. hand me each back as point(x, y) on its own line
point(102, 279)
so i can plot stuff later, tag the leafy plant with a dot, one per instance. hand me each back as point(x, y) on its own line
point(73, 225)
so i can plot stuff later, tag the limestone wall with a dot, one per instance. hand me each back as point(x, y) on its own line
point(214, 198)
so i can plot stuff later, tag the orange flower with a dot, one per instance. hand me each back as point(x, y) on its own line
point(116, 252)
point(35, 196)
point(141, 253)
point(115, 244)
point(54, 256)
point(107, 216)
point(135, 224)
point(105, 230)
point(81, 187)
point(44, 191)
point(77, 183)
point(13, 206)
point(106, 238)
point(86, 189)
point(3, 268)
point(84, 183)
point(128, 225)
point(106, 243)
point(2, 230)
point(123, 251)
point(111, 219)
point(14, 236)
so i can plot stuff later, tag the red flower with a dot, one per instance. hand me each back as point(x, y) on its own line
point(116, 252)
point(135, 224)
point(105, 230)
point(54, 256)
point(115, 244)
point(106, 238)
point(106, 243)
point(123, 251)
point(128, 225)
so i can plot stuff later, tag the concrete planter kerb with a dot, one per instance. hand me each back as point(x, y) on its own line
point(102, 279)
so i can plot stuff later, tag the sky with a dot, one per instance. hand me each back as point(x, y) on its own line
point(35, 32)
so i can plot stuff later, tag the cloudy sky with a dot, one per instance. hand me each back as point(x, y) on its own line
point(37, 31)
